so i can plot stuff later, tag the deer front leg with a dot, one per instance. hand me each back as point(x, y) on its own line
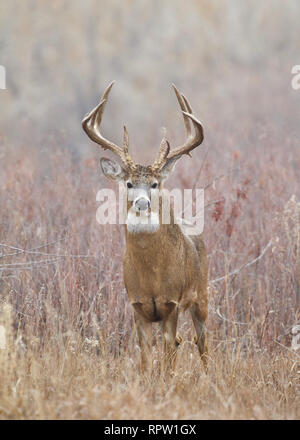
point(170, 341)
point(144, 332)
point(199, 317)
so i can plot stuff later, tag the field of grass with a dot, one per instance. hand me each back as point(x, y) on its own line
point(71, 350)
point(68, 349)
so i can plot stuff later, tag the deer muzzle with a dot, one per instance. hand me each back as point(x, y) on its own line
point(141, 204)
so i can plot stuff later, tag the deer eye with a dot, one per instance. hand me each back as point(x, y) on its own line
point(129, 185)
point(154, 185)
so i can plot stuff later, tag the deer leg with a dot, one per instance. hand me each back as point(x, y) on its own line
point(144, 332)
point(199, 317)
point(171, 341)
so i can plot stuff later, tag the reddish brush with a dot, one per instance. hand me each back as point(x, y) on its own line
point(219, 209)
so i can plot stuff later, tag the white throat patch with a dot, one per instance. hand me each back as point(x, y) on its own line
point(145, 221)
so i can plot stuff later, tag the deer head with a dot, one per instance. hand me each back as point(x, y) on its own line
point(140, 180)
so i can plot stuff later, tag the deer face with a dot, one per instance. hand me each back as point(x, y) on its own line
point(142, 182)
point(142, 188)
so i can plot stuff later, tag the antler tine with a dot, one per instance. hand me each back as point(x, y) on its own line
point(163, 152)
point(126, 155)
point(193, 140)
point(183, 107)
point(91, 125)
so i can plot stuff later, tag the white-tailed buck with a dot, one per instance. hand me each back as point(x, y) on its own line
point(165, 270)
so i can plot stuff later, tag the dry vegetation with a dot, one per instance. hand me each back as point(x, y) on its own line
point(71, 351)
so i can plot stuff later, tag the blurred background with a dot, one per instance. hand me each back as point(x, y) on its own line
point(232, 59)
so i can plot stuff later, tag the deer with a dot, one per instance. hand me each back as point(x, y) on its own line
point(165, 270)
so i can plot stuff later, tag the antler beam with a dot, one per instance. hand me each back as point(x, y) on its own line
point(193, 140)
point(91, 125)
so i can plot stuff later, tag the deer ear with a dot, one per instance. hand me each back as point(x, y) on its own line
point(111, 169)
point(168, 167)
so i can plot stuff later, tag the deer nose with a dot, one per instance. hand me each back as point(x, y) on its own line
point(142, 204)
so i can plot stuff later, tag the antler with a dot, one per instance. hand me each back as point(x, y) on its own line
point(91, 125)
point(193, 140)
point(164, 150)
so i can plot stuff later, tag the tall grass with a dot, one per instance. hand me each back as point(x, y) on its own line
point(71, 348)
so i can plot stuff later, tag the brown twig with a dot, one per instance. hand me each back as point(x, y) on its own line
point(236, 271)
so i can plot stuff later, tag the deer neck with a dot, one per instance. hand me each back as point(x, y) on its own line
point(144, 241)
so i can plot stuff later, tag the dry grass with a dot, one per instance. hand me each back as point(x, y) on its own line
point(68, 379)
point(71, 349)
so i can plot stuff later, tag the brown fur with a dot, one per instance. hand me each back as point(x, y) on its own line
point(165, 272)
